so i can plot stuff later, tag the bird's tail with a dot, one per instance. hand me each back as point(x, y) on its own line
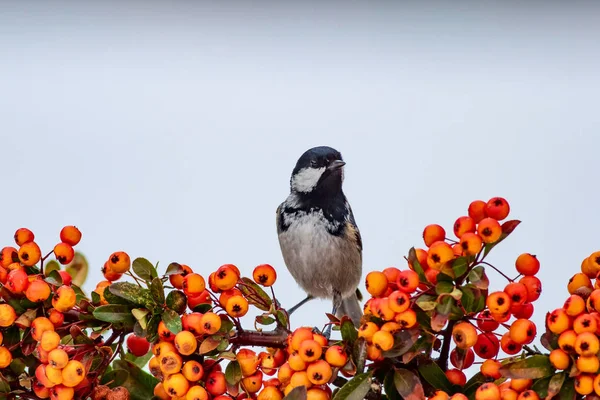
point(351, 307)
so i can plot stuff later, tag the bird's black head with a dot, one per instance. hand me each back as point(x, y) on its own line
point(319, 171)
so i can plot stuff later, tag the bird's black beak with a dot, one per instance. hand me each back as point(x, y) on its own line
point(335, 165)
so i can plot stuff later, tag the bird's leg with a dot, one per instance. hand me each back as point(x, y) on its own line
point(337, 303)
point(297, 306)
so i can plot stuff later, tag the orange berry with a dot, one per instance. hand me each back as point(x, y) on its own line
point(39, 326)
point(464, 335)
point(464, 225)
point(17, 281)
point(164, 333)
point(50, 340)
point(577, 281)
point(497, 208)
point(433, 233)
point(470, 244)
point(7, 315)
point(8, 255)
point(248, 360)
point(185, 343)
point(70, 235)
point(196, 393)
point(310, 351)
point(383, 340)
point(560, 359)
point(367, 330)
point(5, 357)
point(30, 254)
point(73, 373)
point(336, 356)
point(407, 318)
point(64, 253)
point(517, 293)
point(64, 299)
point(177, 279)
point(574, 305)
point(284, 374)
point(462, 359)
point(528, 395)
point(119, 262)
point(299, 378)
point(522, 310)
point(523, 331)
point(54, 375)
point(170, 362)
point(558, 321)
point(376, 283)
point(215, 383)
point(584, 384)
point(392, 274)
point(527, 264)
point(508, 345)
point(408, 281)
point(587, 344)
point(489, 230)
point(62, 392)
point(319, 372)
point(585, 323)
point(192, 371)
point(193, 284)
point(211, 323)
point(253, 383)
point(202, 298)
point(192, 322)
point(589, 364)
point(271, 393)
point(226, 277)
point(534, 287)
point(23, 235)
point(491, 368)
point(566, 340)
point(37, 291)
point(597, 384)
point(391, 327)
point(498, 302)
point(100, 288)
point(456, 377)
point(176, 385)
point(264, 275)
point(40, 390)
point(439, 254)
point(478, 210)
point(487, 345)
point(58, 358)
point(487, 391)
point(398, 301)
point(296, 361)
point(109, 274)
point(237, 306)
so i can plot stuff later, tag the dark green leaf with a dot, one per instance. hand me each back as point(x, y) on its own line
point(534, 367)
point(460, 266)
point(472, 384)
point(470, 299)
point(174, 269)
point(540, 386)
point(152, 328)
point(12, 336)
point(203, 308)
point(139, 383)
point(298, 393)
point(4, 385)
point(434, 375)
point(53, 278)
point(233, 373)
point(478, 278)
point(390, 388)
point(359, 354)
point(157, 291)
point(132, 293)
point(114, 313)
point(441, 277)
point(96, 299)
point(349, 332)
point(265, 319)
point(356, 388)
point(282, 319)
point(403, 341)
point(255, 295)
point(172, 321)
point(226, 325)
point(444, 287)
point(555, 385)
point(567, 391)
point(144, 269)
point(408, 385)
point(78, 293)
point(418, 268)
point(114, 378)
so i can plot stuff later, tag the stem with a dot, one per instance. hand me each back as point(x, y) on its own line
point(133, 276)
point(276, 338)
point(497, 270)
point(445, 352)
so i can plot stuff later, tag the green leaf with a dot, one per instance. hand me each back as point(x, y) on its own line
point(132, 293)
point(444, 287)
point(139, 383)
point(390, 388)
point(356, 388)
point(534, 367)
point(441, 277)
point(433, 374)
point(460, 266)
point(174, 269)
point(359, 354)
point(418, 268)
point(255, 295)
point(114, 313)
point(555, 385)
point(140, 315)
point(567, 391)
point(507, 228)
point(427, 302)
point(472, 384)
point(157, 291)
point(96, 299)
point(152, 328)
point(50, 266)
point(172, 321)
point(144, 269)
point(203, 308)
point(117, 376)
point(53, 278)
point(408, 385)
point(478, 278)
point(139, 361)
point(540, 386)
point(78, 269)
point(469, 299)
point(349, 332)
point(298, 393)
point(282, 319)
point(403, 342)
point(264, 319)
point(233, 373)
point(4, 385)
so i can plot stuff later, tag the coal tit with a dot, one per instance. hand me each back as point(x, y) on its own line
point(318, 236)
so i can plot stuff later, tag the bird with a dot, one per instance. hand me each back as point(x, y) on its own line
point(320, 241)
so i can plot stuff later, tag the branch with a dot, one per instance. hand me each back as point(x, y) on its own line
point(445, 352)
point(276, 338)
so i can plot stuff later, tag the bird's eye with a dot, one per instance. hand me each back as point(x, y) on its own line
point(313, 163)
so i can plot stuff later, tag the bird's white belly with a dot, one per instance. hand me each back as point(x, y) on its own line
point(319, 261)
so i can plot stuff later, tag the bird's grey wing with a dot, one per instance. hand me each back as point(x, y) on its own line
point(279, 219)
point(352, 229)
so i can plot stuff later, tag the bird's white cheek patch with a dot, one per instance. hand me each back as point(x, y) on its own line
point(306, 179)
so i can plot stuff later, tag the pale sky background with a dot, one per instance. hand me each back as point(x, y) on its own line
point(170, 131)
